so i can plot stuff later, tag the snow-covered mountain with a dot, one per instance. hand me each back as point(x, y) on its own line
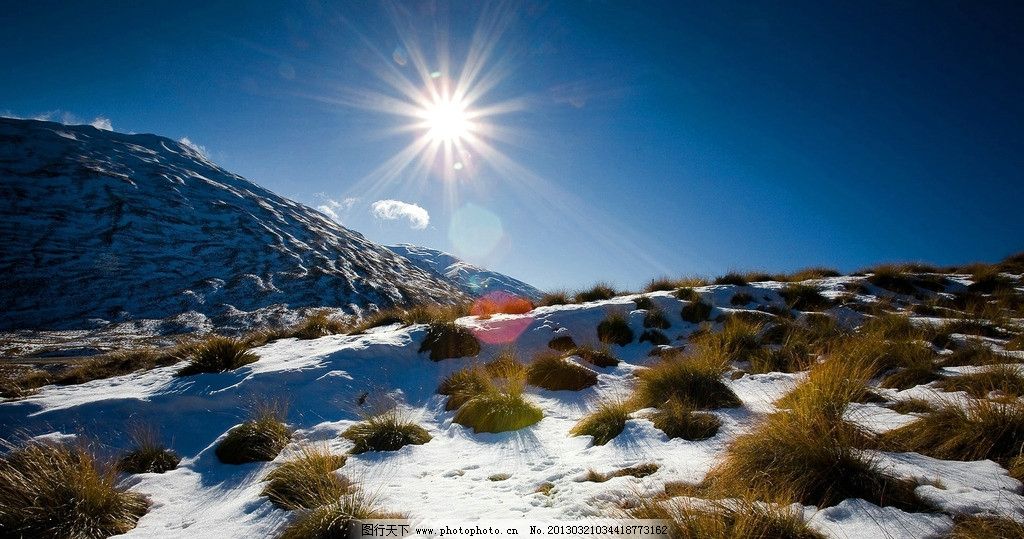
point(98, 225)
point(473, 280)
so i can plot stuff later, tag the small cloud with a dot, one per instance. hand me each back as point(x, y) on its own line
point(201, 150)
point(396, 209)
point(102, 123)
point(326, 210)
point(333, 208)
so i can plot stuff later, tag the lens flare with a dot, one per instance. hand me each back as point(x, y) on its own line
point(446, 121)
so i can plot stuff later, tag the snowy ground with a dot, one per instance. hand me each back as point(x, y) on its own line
point(322, 379)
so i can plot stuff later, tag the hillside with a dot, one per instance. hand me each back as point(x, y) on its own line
point(98, 226)
point(473, 280)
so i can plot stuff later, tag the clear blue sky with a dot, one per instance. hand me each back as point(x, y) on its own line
point(675, 138)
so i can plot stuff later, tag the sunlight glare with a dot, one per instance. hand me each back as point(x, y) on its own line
point(446, 120)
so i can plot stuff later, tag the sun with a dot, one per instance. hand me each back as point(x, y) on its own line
point(446, 120)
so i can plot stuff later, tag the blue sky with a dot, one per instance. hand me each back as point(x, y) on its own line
point(646, 138)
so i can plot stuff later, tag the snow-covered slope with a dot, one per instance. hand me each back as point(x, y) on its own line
point(473, 280)
point(102, 225)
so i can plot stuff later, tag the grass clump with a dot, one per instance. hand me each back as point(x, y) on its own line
point(804, 297)
point(741, 298)
point(976, 354)
point(979, 430)
point(598, 292)
point(58, 490)
point(307, 480)
point(912, 406)
point(792, 355)
point(679, 420)
point(644, 303)
point(217, 354)
point(660, 284)
point(986, 527)
point(1016, 343)
point(338, 518)
point(655, 318)
point(654, 336)
point(744, 518)
point(559, 297)
point(563, 343)
point(696, 312)
point(688, 294)
point(695, 380)
point(463, 385)
point(498, 411)
point(913, 363)
point(598, 357)
point(446, 340)
point(319, 324)
point(893, 278)
point(640, 470)
point(812, 273)
point(988, 279)
point(738, 339)
point(614, 329)
point(732, 278)
point(895, 327)
point(604, 423)
point(258, 439)
point(385, 431)
point(554, 372)
point(147, 454)
point(1005, 379)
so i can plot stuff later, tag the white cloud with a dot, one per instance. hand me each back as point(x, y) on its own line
point(102, 123)
point(396, 209)
point(326, 210)
point(201, 150)
point(334, 209)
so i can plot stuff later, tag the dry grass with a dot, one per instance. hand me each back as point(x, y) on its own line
point(744, 518)
point(1016, 343)
point(812, 273)
point(696, 312)
point(500, 304)
point(688, 294)
point(614, 329)
point(732, 278)
point(559, 297)
point(804, 298)
point(976, 354)
point(604, 423)
point(463, 385)
point(388, 430)
point(893, 327)
point(893, 278)
point(640, 470)
point(912, 406)
point(794, 354)
point(655, 337)
point(554, 372)
point(679, 420)
point(660, 284)
point(56, 490)
point(980, 430)
point(148, 454)
point(740, 299)
point(319, 324)
point(602, 357)
point(498, 411)
point(1006, 379)
point(217, 354)
point(655, 318)
point(832, 384)
point(563, 343)
point(695, 380)
point(988, 279)
point(338, 518)
point(446, 340)
point(600, 291)
point(986, 527)
point(644, 303)
point(260, 438)
point(307, 480)
point(738, 339)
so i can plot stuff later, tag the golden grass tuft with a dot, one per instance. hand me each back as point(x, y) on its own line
point(319, 324)
point(695, 312)
point(614, 329)
point(732, 278)
point(57, 490)
point(804, 297)
point(604, 423)
point(554, 372)
point(980, 430)
point(464, 384)
point(598, 292)
point(498, 411)
point(1006, 379)
point(562, 343)
point(559, 297)
point(445, 340)
point(217, 354)
point(743, 518)
point(695, 380)
point(598, 357)
point(640, 470)
point(306, 480)
point(655, 318)
point(337, 519)
point(986, 527)
point(679, 420)
point(388, 430)
point(260, 438)
point(147, 454)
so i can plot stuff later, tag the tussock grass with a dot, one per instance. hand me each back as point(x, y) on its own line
point(908, 364)
point(598, 357)
point(738, 339)
point(147, 454)
point(417, 314)
point(988, 279)
point(319, 324)
point(893, 278)
point(614, 329)
point(744, 518)
point(217, 354)
point(980, 430)
point(695, 380)
point(696, 312)
point(338, 518)
point(498, 411)
point(388, 430)
point(654, 336)
point(307, 480)
point(122, 362)
point(912, 406)
point(644, 302)
point(600, 291)
point(677, 419)
point(807, 274)
point(688, 294)
point(986, 527)
point(462, 385)
point(1016, 343)
point(1006, 379)
point(260, 438)
point(832, 384)
point(640, 470)
point(500, 304)
point(562, 343)
point(58, 490)
point(376, 319)
point(445, 340)
point(892, 327)
point(976, 354)
point(732, 278)
point(559, 297)
point(660, 284)
point(741, 298)
point(604, 423)
point(655, 318)
point(554, 372)
point(804, 297)
point(506, 365)
point(793, 355)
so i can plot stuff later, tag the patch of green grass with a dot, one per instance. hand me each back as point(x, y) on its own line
point(614, 329)
point(217, 354)
point(498, 411)
point(385, 431)
point(58, 490)
point(604, 423)
point(307, 480)
point(554, 372)
point(600, 291)
point(445, 340)
point(260, 438)
point(679, 420)
point(695, 380)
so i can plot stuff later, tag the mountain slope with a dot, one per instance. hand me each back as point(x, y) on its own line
point(102, 225)
point(473, 280)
